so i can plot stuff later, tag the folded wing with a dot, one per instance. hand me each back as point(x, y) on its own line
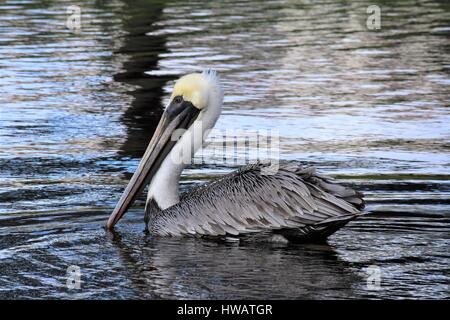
point(295, 202)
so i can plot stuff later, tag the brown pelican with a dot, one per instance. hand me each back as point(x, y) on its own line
point(295, 204)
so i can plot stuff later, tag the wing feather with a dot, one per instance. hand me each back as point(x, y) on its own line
point(248, 201)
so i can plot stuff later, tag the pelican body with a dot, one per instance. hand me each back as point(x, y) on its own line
point(294, 204)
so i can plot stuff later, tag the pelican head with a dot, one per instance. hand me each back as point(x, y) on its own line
point(196, 101)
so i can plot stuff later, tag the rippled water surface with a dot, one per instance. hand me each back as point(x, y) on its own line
point(367, 106)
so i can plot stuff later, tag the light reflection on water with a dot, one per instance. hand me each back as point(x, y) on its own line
point(76, 112)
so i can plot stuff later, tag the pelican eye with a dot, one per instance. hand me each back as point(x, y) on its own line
point(178, 99)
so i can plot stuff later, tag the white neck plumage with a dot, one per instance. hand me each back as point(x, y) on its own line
point(164, 187)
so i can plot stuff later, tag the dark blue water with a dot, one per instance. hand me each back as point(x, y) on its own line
point(77, 109)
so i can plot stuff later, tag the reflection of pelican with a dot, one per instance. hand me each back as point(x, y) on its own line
point(294, 203)
point(170, 268)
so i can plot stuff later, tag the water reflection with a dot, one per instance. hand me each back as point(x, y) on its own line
point(141, 52)
point(192, 268)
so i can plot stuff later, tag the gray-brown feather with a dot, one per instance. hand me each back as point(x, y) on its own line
point(295, 202)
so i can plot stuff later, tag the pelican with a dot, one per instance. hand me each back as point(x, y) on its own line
point(294, 204)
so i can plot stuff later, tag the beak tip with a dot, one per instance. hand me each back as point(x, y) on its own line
point(110, 224)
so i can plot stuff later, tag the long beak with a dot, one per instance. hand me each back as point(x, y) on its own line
point(157, 150)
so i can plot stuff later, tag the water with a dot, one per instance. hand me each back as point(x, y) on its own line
point(368, 107)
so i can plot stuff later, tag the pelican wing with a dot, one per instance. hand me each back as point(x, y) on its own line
point(295, 201)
